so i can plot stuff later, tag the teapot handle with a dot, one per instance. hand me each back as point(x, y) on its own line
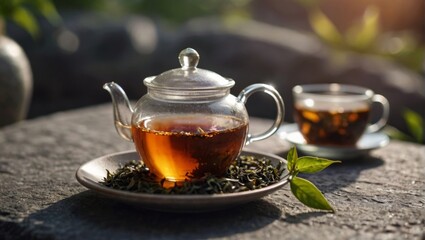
point(259, 87)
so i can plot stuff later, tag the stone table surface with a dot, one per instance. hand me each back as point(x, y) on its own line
point(381, 196)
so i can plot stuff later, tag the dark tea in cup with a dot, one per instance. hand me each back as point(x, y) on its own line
point(334, 114)
point(329, 127)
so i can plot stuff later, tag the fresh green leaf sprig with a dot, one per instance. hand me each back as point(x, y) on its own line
point(304, 190)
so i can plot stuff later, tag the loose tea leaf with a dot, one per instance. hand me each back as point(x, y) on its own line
point(247, 173)
point(307, 193)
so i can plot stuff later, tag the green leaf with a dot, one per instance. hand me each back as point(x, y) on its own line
point(394, 133)
point(363, 35)
point(414, 123)
point(404, 48)
point(26, 20)
point(309, 164)
point(48, 10)
point(308, 194)
point(292, 158)
point(6, 8)
point(324, 27)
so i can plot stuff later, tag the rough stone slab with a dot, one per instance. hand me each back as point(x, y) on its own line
point(379, 197)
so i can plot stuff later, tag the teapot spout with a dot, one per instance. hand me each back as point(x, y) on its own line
point(122, 110)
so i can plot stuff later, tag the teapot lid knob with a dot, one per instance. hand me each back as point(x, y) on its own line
point(189, 58)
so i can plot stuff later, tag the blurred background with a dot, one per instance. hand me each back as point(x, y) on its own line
point(74, 46)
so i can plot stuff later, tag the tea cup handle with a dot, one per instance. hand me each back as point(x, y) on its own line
point(385, 114)
point(259, 87)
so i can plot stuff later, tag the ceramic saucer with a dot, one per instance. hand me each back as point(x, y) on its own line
point(367, 143)
point(93, 172)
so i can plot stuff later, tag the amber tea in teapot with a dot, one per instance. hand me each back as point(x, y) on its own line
point(181, 147)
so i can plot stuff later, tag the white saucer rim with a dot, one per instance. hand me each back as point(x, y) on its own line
point(335, 153)
point(287, 136)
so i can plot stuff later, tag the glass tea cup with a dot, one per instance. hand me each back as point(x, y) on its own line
point(336, 114)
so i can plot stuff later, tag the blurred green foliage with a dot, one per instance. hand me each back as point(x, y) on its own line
point(414, 122)
point(21, 12)
point(366, 36)
point(172, 11)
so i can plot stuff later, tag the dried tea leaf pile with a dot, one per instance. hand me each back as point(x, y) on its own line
point(247, 173)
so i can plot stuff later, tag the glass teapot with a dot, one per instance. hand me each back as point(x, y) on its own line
point(188, 124)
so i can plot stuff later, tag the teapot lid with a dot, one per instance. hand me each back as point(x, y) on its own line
point(189, 78)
